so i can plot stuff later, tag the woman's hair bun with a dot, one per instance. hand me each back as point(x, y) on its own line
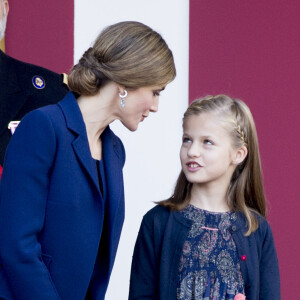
point(86, 77)
point(128, 53)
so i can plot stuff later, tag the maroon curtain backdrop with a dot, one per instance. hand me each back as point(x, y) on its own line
point(251, 50)
point(42, 33)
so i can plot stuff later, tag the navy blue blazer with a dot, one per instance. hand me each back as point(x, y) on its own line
point(155, 263)
point(51, 210)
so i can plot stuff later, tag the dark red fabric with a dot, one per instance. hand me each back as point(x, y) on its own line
point(251, 50)
point(42, 33)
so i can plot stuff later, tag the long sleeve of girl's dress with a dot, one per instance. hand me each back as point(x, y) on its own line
point(269, 269)
point(23, 195)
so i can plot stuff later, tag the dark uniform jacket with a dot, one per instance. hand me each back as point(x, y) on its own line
point(154, 271)
point(24, 87)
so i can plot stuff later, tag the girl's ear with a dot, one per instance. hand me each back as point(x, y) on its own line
point(239, 155)
point(6, 7)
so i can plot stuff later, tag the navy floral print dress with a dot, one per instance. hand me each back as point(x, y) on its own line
point(209, 267)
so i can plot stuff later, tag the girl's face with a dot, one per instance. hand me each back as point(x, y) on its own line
point(138, 104)
point(207, 155)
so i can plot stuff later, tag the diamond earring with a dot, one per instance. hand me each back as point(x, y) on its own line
point(122, 102)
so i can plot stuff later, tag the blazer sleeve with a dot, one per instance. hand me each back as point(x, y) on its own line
point(144, 270)
point(23, 195)
point(269, 268)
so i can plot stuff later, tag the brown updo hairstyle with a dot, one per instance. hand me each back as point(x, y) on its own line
point(128, 53)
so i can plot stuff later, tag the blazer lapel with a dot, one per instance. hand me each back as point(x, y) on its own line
point(113, 164)
point(80, 144)
point(112, 160)
point(82, 150)
point(113, 170)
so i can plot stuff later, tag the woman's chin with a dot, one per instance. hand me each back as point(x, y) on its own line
point(131, 127)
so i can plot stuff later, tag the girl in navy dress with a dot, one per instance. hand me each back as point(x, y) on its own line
point(210, 239)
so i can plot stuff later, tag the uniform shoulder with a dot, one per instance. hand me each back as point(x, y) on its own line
point(36, 77)
point(31, 68)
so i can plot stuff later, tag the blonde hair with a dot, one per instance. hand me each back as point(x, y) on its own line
point(128, 53)
point(245, 192)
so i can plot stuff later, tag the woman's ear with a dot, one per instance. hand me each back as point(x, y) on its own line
point(239, 155)
point(121, 89)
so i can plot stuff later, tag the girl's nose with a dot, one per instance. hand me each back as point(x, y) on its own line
point(194, 150)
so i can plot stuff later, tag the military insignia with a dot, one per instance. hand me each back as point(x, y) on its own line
point(12, 126)
point(38, 82)
point(65, 78)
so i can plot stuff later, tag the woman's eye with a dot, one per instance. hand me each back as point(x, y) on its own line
point(156, 93)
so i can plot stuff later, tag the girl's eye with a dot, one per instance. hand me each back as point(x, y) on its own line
point(208, 142)
point(156, 93)
point(186, 140)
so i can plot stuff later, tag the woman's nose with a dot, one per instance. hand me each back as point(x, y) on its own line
point(154, 106)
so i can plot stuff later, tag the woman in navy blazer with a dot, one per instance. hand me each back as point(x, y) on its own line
point(61, 192)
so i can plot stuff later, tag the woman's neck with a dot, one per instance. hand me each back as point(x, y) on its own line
point(98, 112)
point(101, 109)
